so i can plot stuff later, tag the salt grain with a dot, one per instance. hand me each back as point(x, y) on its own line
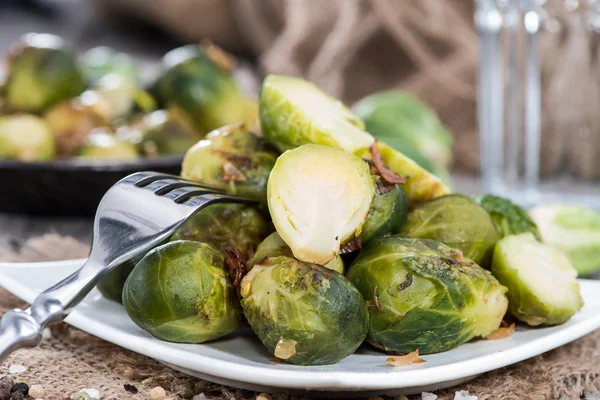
point(263, 396)
point(428, 396)
point(46, 333)
point(200, 396)
point(464, 395)
point(93, 393)
point(158, 393)
point(17, 369)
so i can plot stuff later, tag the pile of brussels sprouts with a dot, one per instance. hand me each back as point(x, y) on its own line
point(350, 241)
point(56, 105)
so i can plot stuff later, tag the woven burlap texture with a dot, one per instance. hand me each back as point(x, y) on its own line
point(71, 359)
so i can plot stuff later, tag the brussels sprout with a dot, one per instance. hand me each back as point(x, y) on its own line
point(304, 313)
point(25, 137)
point(403, 121)
point(181, 292)
point(294, 112)
point(42, 72)
point(319, 197)
point(387, 214)
point(70, 122)
point(160, 132)
point(225, 225)
point(458, 222)
point(274, 246)
point(101, 61)
point(542, 283)
point(509, 218)
point(423, 295)
point(115, 97)
point(573, 229)
point(199, 81)
point(111, 286)
point(233, 159)
point(101, 144)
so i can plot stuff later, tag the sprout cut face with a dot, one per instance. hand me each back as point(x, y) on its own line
point(573, 229)
point(274, 246)
point(458, 222)
point(101, 144)
point(542, 284)
point(181, 292)
point(25, 137)
point(423, 295)
point(304, 313)
point(319, 197)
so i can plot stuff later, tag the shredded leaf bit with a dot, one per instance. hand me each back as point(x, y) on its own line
point(232, 173)
point(386, 174)
point(285, 348)
point(407, 359)
point(237, 268)
point(502, 332)
point(220, 57)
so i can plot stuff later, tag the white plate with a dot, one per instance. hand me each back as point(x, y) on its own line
point(241, 361)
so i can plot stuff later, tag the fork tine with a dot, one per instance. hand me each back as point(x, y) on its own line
point(163, 186)
point(155, 176)
point(182, 194)
point(213, 198)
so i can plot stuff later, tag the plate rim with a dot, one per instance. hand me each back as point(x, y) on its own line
point(309, 379)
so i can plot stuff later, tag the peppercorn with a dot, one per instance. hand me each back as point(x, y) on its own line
point(130, 388)
point(81, 396)
point(17, 396)
point(158, 393)
point(5, 385)
point(36, 391)
point(20, 387)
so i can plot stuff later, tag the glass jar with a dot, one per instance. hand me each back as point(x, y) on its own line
point(539, 99)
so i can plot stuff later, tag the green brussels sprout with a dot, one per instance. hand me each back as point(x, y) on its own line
point(542, 283)
point(387, 214)
point(423, 295)
point(294, 112)
point(198, 80)
point(70, 122)
point(510, 219)
point(115, 97)
point(458, 222)
point(101, 144)
point(111, 286)
point(573, 229)
point(101, 61)
point(233, 159)
point(160, 132)
point(304, 313)
point(42, 72)
point(181, 292)
point(319, 198)
point(225, 225)
point(403, 121)
point(274, 246)
point(25, 137)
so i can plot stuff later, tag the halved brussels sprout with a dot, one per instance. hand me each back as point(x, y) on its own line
point(42, 71)
point(274, 246)
point(181, 292)
point(319, 197)
point(510, 219)
point(403, 121)
point(231, 158)
point(294, 112)
point(101, 144)
point(387, 214)
point(70, 122)
point(115, 97)
point(198, 80)
point(101, 61)
point(423, 295)
point(25, 137)
point(304, 313)
point(161, 132)
point(458, 222)
point(542, 283)
point(225, 225)
point(572, 229)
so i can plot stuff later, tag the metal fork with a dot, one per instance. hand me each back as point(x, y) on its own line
point(136, 214)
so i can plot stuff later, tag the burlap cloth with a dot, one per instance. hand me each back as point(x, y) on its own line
point(71, 359)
